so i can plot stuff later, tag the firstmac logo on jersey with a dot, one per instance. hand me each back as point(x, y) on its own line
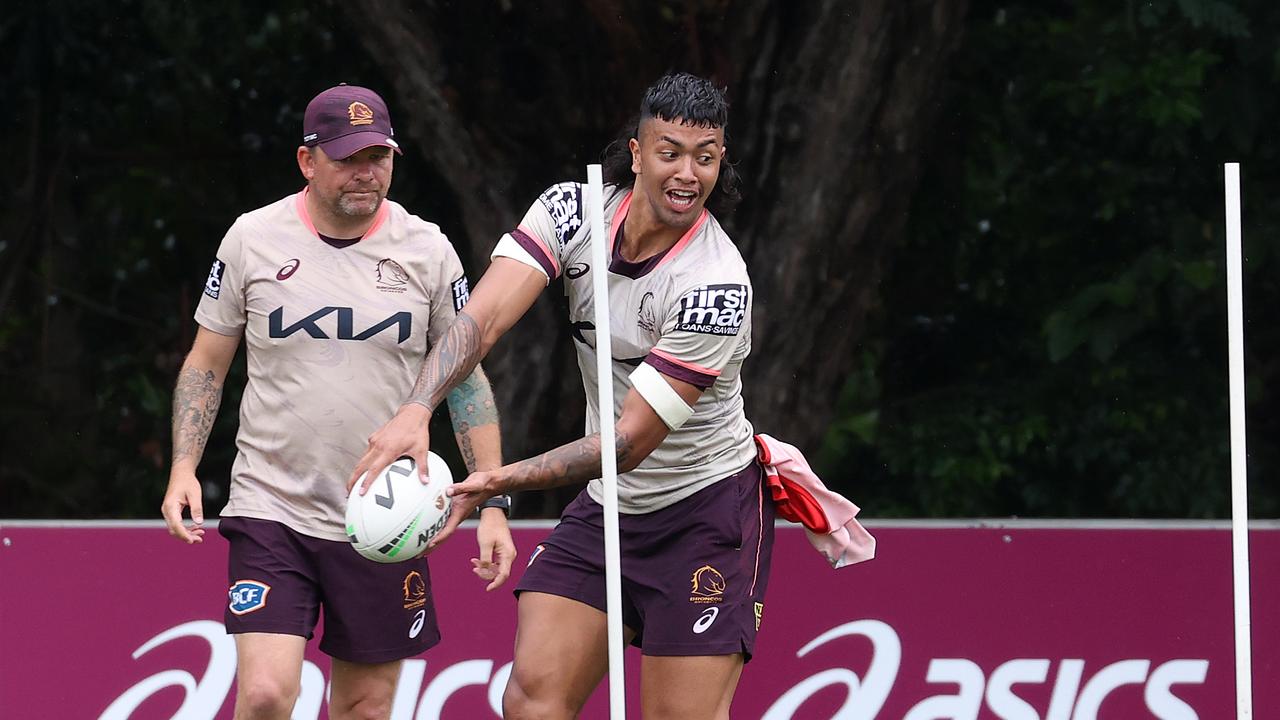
point(461, 293)
point(564, 203)
point(713, 309)
point(213, 285)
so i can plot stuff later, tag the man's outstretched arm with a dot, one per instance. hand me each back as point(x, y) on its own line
point(507, 290)
point(637, 433)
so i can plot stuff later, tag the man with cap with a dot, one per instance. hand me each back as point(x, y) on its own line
point(339, 294)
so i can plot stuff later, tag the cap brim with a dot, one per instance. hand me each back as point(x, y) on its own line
point(348, 145)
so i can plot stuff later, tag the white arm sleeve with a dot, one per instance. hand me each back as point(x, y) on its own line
point(663, 398)
point(508, 247)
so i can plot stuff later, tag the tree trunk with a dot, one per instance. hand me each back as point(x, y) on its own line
point(839, 101)
point(833, 105)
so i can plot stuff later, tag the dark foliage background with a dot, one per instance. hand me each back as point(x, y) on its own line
point(986, 237)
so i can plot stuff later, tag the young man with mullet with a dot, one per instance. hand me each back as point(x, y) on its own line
point(696, 528)
point(339, 293)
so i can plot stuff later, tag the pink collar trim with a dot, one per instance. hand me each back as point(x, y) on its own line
point(621, 213)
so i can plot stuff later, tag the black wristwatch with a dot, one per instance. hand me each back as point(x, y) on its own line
point(502, 502)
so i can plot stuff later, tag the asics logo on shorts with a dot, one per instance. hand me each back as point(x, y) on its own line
point(419, 618)
point(247, 596)
point(536, 552)
point(703, 623)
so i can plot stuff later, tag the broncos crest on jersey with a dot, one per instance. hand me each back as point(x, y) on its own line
point(685, 313)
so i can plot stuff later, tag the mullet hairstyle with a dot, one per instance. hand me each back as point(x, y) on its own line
point(688, 100)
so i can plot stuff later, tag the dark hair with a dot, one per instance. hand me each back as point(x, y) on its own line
point(688, 100)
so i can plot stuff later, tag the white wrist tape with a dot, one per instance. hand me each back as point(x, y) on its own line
point(660, 395)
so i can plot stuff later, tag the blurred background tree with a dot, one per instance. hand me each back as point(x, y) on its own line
point(1052, 338)
point(986, 238)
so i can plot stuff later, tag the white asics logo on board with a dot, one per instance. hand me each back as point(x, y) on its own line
point(703, 623)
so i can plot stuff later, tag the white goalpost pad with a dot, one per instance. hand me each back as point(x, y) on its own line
point(1239, 457)
point(608, 456)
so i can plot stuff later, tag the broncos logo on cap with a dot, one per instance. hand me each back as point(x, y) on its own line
point(359, 113)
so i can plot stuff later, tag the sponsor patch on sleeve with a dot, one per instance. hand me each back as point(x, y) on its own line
point(713, 309)
point(564, 202)
point(213, 285)
point(461, 293)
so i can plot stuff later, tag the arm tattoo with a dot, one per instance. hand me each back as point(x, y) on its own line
point(195, 405)
point(471, 403)
point(449, 362)
point(573, 463)
point(463, 434)
point(471, 406)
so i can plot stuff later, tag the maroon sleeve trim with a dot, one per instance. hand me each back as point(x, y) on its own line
point(700, 380)
point(532, 247)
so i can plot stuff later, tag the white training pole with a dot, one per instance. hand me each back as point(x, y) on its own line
point(608, 457)
point(1239, 469)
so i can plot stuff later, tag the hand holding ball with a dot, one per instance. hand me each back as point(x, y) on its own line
point(399, 515)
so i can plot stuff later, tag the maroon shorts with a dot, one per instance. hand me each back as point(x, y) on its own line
point(693, 573)
point(279, 579)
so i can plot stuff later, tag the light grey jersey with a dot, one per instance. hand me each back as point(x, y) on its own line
point(686, 313)
point(335, 338)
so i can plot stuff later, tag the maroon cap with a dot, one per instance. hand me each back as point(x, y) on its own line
point(346, 119)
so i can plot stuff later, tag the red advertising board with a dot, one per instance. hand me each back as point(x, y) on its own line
point(1020, 621)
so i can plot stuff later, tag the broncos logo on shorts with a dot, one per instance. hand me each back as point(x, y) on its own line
point(415, 591)
point(708, 585)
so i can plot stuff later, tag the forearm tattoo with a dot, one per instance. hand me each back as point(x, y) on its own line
point(575, 462)
point(471, 405)
point(465, 447)
point(195, 406)
point(449, 362)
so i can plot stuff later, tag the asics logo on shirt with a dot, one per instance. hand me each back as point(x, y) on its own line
point(288, 269)
point(345, 325)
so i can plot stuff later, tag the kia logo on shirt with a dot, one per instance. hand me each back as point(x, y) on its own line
point(345, 330)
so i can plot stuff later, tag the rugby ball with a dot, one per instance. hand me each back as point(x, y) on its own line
point(399, 515)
